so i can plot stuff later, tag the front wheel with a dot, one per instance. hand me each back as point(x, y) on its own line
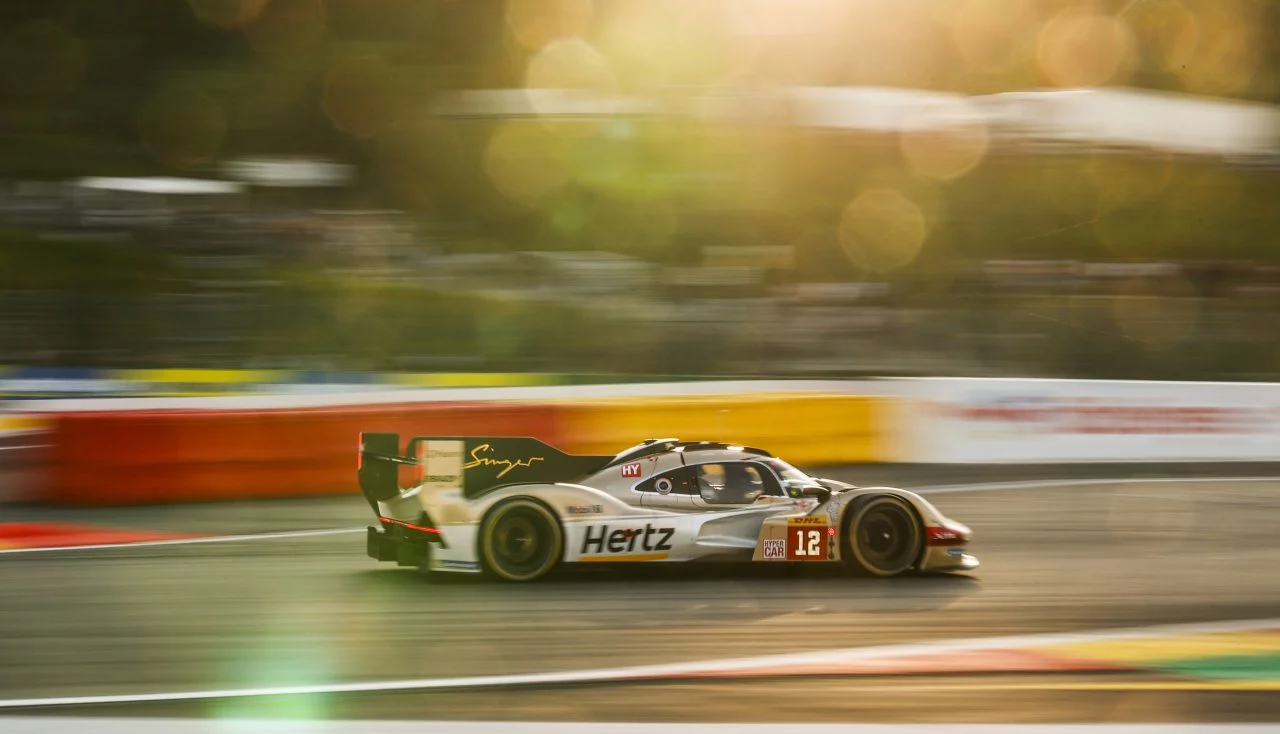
point(521, 540)
point(884, 537)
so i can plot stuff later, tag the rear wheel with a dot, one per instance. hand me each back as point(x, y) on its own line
point(520, 540)
point(884, 537)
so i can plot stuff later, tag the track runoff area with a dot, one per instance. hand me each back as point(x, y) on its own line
point(1139, 603)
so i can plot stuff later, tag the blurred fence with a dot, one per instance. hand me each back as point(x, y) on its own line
point(1062, 335)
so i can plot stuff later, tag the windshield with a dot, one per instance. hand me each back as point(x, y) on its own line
point(786, 471)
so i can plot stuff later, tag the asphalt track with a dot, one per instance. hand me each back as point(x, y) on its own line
point(314, 610)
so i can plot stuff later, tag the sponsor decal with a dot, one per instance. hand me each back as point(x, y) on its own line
point(943, 536)
point(1052, 414)
point(662, 486)
point(440, 463)
point(806, 539)
point(955, 552)
point(479, 459)
point(774, 549)
point(631, 470)
point(833, 512)
point(584, 509)
point(604, 539)
point(458, 565)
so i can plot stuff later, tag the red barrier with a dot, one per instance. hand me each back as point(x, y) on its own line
point(163, 456)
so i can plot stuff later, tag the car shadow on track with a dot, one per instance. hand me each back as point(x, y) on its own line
point(815, 590)
point(687, 572)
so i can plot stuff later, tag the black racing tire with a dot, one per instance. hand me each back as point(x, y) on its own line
point(883, 537)
point(520, 540)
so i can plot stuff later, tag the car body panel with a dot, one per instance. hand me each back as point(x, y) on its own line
point(648, 509)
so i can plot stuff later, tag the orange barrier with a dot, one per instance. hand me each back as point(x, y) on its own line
point(162, 456)
point(144, 457)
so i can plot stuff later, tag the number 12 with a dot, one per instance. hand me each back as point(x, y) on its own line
point(808, 543)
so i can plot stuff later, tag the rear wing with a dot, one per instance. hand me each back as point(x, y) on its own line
point(472, 464)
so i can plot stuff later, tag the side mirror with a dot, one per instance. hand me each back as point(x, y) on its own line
point(822, 493)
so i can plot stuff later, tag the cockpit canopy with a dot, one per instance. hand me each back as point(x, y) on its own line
point(651, 446)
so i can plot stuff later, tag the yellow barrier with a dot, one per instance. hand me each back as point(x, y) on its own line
point(811, 429)
point(23, 423)
point(200, 376)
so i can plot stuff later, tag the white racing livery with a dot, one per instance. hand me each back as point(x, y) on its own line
point(515, 508)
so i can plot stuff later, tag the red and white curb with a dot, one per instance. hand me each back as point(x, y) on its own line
point(761, 665)
point(59, 725)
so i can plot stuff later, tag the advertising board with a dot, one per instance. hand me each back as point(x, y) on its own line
point(960, 420)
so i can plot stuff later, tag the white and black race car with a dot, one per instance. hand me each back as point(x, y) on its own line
point(515, 508)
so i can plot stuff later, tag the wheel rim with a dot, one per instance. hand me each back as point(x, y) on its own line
point(887, 538)
point(522, 543)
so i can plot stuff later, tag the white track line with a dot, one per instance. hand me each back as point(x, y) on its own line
point(1052, 483)
point(641, 672)
point(935, 489)
point(59, 725)
point(191, 541)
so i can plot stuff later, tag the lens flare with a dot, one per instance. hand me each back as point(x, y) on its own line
point(989, 34)
point(1169, 31)
point(535, 23)
point(526, 163)
point(227, 13)
point(1084, 48)
point(360, 96)
point(40, 60)
point(286, 27)
point(1228, 51)
point(882, 230)
point(1157, 315)
point(182, 127)
point(570, 63)
point(945, 140)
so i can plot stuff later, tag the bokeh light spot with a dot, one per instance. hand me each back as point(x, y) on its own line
point(226, 13)
point(1157, 314)
point(286, 27)
point(655, 44)
point(1124, 182)
point(1084, 48)
point(535, 23)
point(1168, 29)
point(570, 63)
point(945, 140)
point(882, 230)
point(40, 60)
point(988, 33)
point(182, 127)
point(525, 163)
point(1228, 50)
point(1066, 184)
point(415, 156)
point(360, 96)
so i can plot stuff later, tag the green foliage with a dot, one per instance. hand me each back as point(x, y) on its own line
point(29, 261)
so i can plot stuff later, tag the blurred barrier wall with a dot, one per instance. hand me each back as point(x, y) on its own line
point(151, 450)
point(23, 457)
point(217, 452)
point(143, 457)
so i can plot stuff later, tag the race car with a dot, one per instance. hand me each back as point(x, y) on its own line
point(515, 508)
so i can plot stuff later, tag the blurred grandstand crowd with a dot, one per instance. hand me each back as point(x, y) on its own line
point(992, 187)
